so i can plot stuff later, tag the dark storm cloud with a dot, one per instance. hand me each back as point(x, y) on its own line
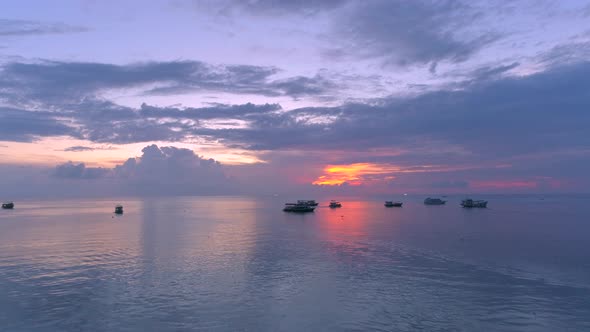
point(403, 33)
point(505, 116)
point(26, 126)
point(216, 111)
point(105, 122)
point(49, 80)
point(494, 115)
point(19, 28)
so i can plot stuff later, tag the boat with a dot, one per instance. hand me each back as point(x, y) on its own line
point(434, 201)
point(335, 204)
point(393, 204)
point(8, 205)
point(298, 207)
point(470, 203)
point(310, 202)
point(119, 209)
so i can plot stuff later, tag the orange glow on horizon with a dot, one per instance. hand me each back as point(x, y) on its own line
point(354, 174)
point(51, 151)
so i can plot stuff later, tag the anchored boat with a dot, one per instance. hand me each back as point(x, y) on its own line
point(298, 207)
point(8, 205)
point(335, 204)
point(119, 209)
point(310, 202)
point(434, 201)
point(470, 203)
point(393, 204)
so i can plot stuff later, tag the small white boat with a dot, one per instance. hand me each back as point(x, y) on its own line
point(335, 204)
point(470, 203)
point(434, 201)
point(393, 204)
point(298, 207)
point(8, 205)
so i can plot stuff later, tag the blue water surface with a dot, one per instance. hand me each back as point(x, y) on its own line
point(241, 264)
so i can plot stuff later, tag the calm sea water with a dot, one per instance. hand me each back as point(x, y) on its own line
point(241, 264)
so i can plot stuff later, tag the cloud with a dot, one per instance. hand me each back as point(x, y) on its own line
point(395, 32)
point(150, 123)
point(492, 121)
point(269, 7)
point(163, 170)
point(78, 149)
point(54, 81)
point(17, 28)
point(566, 53)
point(81, 148)
point(71, 170)
point(484, 73)
point(402, 33)
point(501, 117)
point(26, 126)
point(497, 115)
point(171, 170)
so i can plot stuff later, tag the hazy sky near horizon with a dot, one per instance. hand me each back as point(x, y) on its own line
point(334, 96)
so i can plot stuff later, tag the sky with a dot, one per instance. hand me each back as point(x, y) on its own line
point(336, 97)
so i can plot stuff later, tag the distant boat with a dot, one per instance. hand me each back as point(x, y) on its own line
point(335, 204)
point(469, 203)
point(393, 204)
point(8, 205)
point(298, 207)
point(310, 202)
point(119, 209)
point(434, 201)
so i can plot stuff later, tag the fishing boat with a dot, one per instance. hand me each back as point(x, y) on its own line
point(298, 207)
point(310, 202)
point(470, 203)
point(119, 209)
point(8, 205)
point(393, 204)
point(434, 201)
point(335, 204)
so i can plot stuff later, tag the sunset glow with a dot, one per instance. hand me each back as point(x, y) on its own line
point(355, 174)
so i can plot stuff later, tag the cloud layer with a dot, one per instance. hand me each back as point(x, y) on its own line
point(163, 170)
point(17, 28)
point(54, 80)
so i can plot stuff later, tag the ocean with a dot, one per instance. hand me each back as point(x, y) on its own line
point(241, 264)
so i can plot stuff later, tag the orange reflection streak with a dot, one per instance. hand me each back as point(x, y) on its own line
point(347, 230)
point(346, 223)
